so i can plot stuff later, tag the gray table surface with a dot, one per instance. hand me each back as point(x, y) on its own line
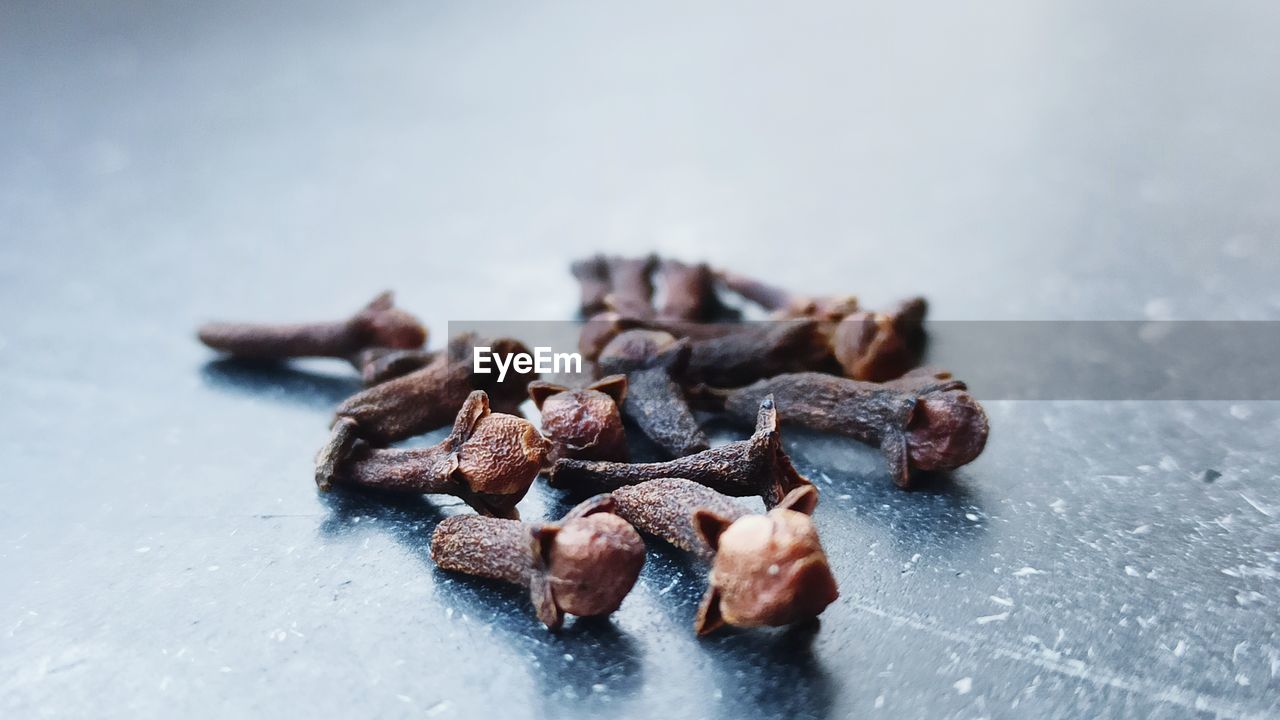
point(163, 550)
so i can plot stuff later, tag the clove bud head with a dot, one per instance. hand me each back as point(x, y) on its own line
point(769, 570)
point(947, 429)
point(388, 326)
point(635, 350)
point(592, 563)
point(584, 423)
point(502, 456)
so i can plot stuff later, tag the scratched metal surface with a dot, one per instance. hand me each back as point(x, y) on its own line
point(163, 551)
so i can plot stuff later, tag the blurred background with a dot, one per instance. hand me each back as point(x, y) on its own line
point(162, 164)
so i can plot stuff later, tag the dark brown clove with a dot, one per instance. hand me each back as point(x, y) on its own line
point(593, 283)
point(421, 401)
point(756, 466)
point(489, 460)
point(380, 364)
point(378, 324)
point(879, 346)
point(759, 350)
point(688, 291)
point(766, 570)
point(785, 304)
point(921, 422)
point(602, 328)
point(651, 362)
point(631, 285)
point(584, 423)
point(583, 565)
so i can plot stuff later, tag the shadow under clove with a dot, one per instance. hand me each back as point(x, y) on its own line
point(279, 381)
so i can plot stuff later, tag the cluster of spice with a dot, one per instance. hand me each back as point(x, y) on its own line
point(821, 362)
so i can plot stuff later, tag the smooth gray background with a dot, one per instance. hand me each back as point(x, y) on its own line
point(163, 550)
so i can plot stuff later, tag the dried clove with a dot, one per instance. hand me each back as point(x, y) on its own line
point(419, 402)
point(380, 364)
point(879, 346)
point(584, 423)
point(766, 570)
point(583, 565)
point(922, 421)
point(489, 460)
point(651, 362)
point(756, 466)
point(631, 285)
point(759, 350)
point(593, 283)
point(688, 291)
point(602, 328)
point(378, 324)
point(785, 304)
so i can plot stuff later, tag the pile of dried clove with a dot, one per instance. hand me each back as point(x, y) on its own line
point(656, 334)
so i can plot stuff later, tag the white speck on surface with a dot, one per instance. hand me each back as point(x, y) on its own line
point(1249, 598)
point(1180, 649)
point(438, 708)
point(568, 657)
point(971, 517)
point(599, 688)
point(225, 669)
point(448, 613)
point(1059, 506)
point(825, 477)
point(879, 702)
point(1140, 530)
point(142, 550)
point(963, 685)
point(1240, 412)
point(845, 497)
point(999, 617)
point(670, 586)
point(1242, 680)
point(1025, 571)
point(213, 568)
point(1168, 464)
point(279, 635)
point(404, 698)
point(1131, 571)
point(1007, 602)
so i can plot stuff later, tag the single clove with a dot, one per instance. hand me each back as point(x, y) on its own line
point(489, 460)
point(583, 423)
point(421, 401)
point(380, 364)
point(785, 304)
point(920, 422)
point(766, 570)
point(655, 402)
point(583, 565)
point(378, 324)
point(631, 285)
point(689, 292)
point(593, 283)
point(756, 466)
point(759, 350)
point(879, 346)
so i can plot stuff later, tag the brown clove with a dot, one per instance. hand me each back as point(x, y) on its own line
point(756, 466)
point(600, 329)
point(631, 285)
point(920, 422)
point(489, 460)
point(785, 304)
point(879, 346)
point(583, 565)
point(655, 402)
point(759, 350)
point(689, 292)
point(421, 401)
point(378, 324)
point(380, 364)
point(766, 570)
point(583, 423)
point(592, 275)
